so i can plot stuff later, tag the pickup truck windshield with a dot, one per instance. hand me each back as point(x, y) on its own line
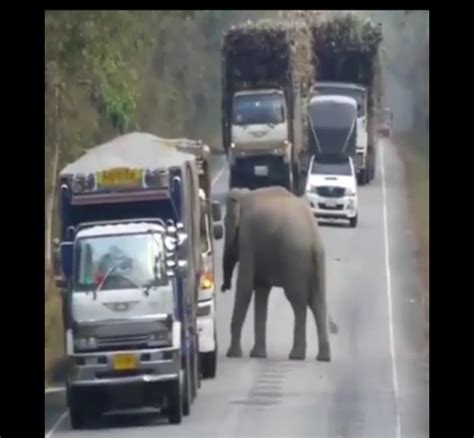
point(341, 168)
point(258, 109)
point(358, 95)
point(120, 262)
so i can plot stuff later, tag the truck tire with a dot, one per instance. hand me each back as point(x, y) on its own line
point(353, 221)
point(362, 177)
point(174, 409)
point(195, 368)
point(209, 364)
point(187, 394)
point(77, 413)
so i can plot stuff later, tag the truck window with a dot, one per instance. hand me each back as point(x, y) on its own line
point(258, 109)
point(340, 168)
point(329, 115)
point(126, 261)
point(358, 95)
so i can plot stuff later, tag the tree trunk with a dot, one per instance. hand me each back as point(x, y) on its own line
point(51, 196)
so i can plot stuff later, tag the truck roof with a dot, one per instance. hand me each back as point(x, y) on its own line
point(348, 85)
point(259, 91)
point(113, 229)
point(134, 150)
point(336, 98)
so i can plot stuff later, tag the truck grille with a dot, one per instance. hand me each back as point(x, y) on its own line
point(325, 207)
point(130, 342)
point(330, 191)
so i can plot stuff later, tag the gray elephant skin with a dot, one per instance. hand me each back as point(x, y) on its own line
point(275, 239)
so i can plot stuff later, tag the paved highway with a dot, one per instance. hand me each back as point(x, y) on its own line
point(374, 386)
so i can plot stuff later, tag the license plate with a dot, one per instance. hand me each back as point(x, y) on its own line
point(120, 177)
point(331, 204)
point(261, 170)
point(125, 362)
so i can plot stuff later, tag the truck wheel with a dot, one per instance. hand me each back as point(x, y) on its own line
point(175, 402)
point(362, 177)
point(187, 395)
point(209, 364)
point(195, 368)
point(353, 221)
point(373, 169)
point(77, 413)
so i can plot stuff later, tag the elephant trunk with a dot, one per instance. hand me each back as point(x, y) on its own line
point(230, 259)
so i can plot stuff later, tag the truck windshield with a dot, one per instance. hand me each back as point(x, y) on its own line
point(120, 262)
point(358, 95)
point(339, 168)
point(332, 115)
point(259, 109)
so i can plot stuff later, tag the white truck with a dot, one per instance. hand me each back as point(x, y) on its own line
point(364, 138)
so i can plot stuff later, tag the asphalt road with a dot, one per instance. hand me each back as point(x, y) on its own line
point(374, 386)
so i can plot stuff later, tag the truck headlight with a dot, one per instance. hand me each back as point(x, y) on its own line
point(158, 337)
point(350, 192)
point(85, 343)
point(83, 183)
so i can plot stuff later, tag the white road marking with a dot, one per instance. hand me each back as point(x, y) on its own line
point(56, 425)
point(218, 175)
point(389, 295)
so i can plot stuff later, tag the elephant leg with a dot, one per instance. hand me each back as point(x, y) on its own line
point(243, 295)
point(321, 319)
point(298, 352)
point(261, 307)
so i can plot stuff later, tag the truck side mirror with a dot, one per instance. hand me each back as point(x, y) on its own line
point(216, 211)
point(66, 250)
point(218, 231)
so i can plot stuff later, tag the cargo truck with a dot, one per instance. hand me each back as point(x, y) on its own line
point(346, 62)
point(261, 106)
point(130, 263)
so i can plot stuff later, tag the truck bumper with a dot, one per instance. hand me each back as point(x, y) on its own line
point(261, 171)
point(341, 208)
point(99, 369)
point(206, 326)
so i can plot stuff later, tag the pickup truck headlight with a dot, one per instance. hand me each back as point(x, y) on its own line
point(350, 191)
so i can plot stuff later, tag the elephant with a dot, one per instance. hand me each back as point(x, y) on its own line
point(275, 239)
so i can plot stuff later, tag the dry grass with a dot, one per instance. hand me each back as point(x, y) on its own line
point(53, 346)
point(414, 152)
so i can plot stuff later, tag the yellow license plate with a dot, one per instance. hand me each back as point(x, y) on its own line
point(125, 362)
point(120, 177)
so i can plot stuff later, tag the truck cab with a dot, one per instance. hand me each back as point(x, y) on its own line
point(259, 122)
point(260, 129)
point(359, 93)
point(124, 327)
